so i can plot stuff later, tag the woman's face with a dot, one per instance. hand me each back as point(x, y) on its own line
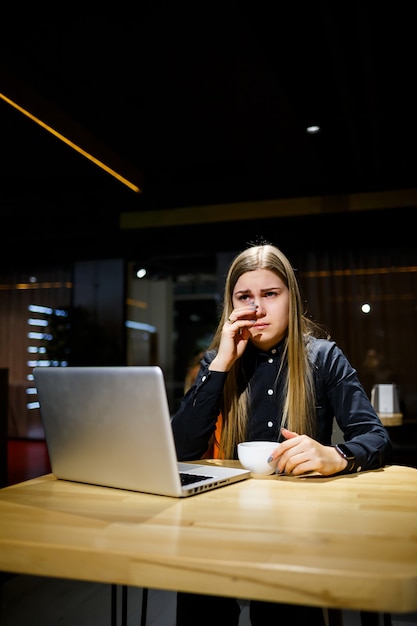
point(264, 290)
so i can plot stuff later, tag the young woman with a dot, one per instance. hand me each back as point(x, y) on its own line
point(271, 374)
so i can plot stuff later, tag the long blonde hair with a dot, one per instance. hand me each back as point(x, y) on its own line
point(299, 395)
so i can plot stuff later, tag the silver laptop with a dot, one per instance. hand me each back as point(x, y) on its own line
point(111, 426)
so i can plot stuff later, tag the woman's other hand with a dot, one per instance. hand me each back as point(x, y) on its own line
point(234, 338)
point(300, 454)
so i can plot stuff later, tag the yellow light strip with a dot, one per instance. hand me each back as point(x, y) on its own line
point(267, 209)
point(72, 145)
point(47, 285)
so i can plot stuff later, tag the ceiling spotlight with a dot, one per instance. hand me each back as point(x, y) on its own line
point(141, 273)
point(312, 130)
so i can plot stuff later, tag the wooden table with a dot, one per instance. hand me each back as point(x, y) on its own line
point(391, 419)
point(342, 542)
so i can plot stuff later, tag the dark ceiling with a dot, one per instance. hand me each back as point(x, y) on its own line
point(201, 103)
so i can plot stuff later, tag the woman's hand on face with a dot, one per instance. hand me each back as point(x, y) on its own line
point(234, 338)
point(300, 454)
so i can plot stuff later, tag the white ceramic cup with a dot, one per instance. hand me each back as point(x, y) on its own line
point(254, 455)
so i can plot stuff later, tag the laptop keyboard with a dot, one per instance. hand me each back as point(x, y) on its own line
point(188, 479)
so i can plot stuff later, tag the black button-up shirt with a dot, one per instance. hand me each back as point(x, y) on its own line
point(339, 395)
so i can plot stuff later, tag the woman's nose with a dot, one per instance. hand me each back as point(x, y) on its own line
point(259, 310)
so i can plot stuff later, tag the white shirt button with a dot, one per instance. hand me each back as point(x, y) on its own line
point(203, 378)
point(274, 351)
point(270, 360)
point(270, 392)
point(270, 424)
